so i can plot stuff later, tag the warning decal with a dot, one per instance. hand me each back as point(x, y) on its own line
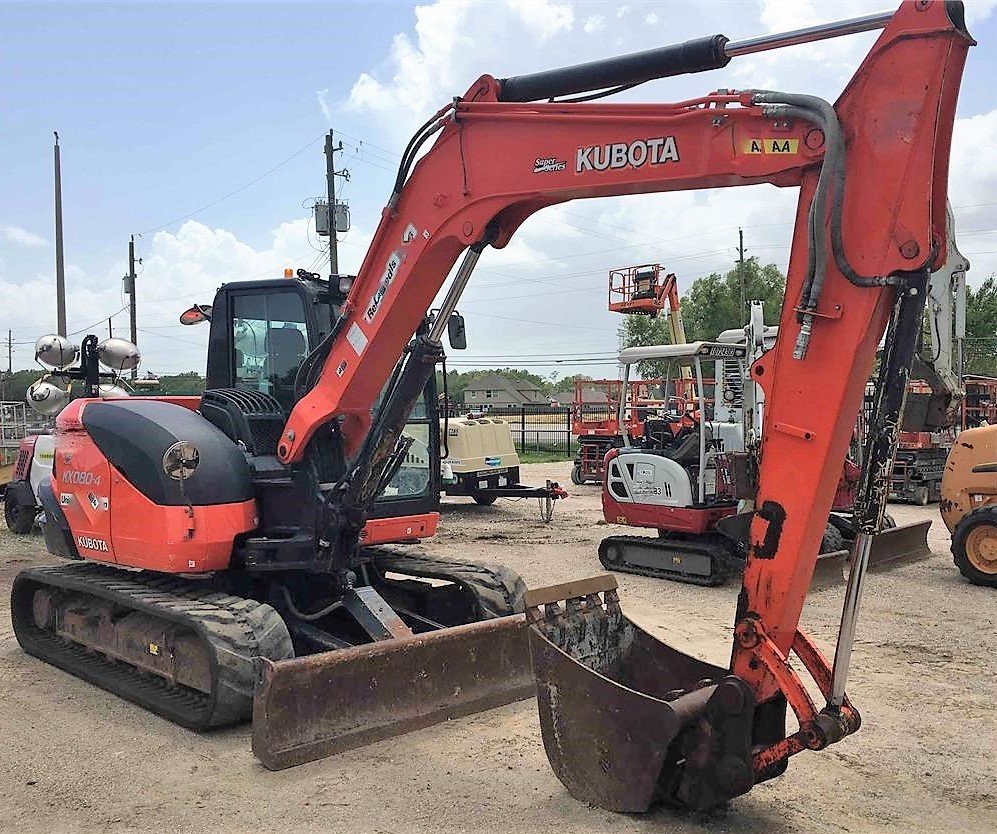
point(772, 145)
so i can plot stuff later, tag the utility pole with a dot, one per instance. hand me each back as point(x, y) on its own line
point(10, 367)
point(60, 272)
point(110, 332)
point(740, 273)
point(330, 182)
point(130, 285)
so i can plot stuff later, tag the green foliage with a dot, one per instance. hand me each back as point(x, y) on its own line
point(186, 384)
point(189, 383)
point(568, 382)
point(713, 303)
point(981, 329)
point(16, 385)
point(644, 331)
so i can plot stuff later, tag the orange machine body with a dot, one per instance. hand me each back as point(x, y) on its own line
point(188, 539)
point(111, 520)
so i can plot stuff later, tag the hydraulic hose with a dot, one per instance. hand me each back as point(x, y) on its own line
point(832, 178)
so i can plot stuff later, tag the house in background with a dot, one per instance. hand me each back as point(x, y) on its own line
point(590, 396)
point(495, 391)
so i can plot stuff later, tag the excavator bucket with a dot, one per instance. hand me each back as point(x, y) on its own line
point(628, 721)
point(896, 546)
point(326, 703)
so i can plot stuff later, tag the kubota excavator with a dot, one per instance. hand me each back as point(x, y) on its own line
point(626, 719)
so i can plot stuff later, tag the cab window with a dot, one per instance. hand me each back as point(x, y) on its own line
point(413, 476)
point(269, 342)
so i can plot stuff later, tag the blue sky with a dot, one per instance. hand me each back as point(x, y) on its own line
point(165, 108)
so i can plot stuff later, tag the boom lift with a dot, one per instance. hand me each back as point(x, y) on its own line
point(638, 291)
point(872, 176)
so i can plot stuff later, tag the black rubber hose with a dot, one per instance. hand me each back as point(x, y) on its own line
point(821, 112)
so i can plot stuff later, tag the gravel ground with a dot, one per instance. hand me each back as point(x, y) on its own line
point(924, 676)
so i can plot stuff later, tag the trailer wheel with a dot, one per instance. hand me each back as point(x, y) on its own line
point(974, 546)
point(576, 475)
point(483, 500)
point(20, 517)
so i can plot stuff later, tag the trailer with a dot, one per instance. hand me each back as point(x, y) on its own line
point(480, 461)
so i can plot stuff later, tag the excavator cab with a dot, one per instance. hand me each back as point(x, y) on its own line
point(261, 332)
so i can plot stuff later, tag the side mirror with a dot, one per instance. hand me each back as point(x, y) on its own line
point(456, 332)
point(196, 314)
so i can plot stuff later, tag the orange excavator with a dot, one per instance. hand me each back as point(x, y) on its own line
point(626, 719)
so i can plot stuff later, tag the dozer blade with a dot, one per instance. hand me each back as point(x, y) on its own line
point(829, 572)
point(626, 720)
point(899, 546)
point(326, 703)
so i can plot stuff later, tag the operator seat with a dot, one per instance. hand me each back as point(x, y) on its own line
point(686, 451)
point(657, 434)
point(286, 348)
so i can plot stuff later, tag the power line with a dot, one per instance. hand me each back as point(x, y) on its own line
point(173, 338)
point(241, 188)
point(543, 323)
point(99, 321)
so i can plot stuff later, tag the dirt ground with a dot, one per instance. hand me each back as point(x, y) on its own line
point(74, 758)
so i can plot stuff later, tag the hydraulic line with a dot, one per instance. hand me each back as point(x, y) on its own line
point(881, 446)
point(832, 177)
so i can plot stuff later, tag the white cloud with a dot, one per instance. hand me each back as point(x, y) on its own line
point(979, 10)
point(546, 292)
point(22, 237)
point(178, 269)
point(444, 54)
point(594, 23)
point(323, 102)
point(651, 19)
point(781, 16)
point(543, 17)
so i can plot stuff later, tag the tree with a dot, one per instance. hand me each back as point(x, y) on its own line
point(644, 331)
point(981, 329)
point(713, 303)
point(189, 383)
point(568, 383)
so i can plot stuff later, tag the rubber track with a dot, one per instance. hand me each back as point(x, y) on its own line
point(499, 590)
point(236, 631)
point(722, 561)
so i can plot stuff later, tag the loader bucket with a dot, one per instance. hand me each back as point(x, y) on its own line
point(626, 720)
point(326, 703)
point(899, 546)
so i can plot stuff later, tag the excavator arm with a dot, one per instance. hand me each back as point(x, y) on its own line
point(946, 314)
point(870, 227)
